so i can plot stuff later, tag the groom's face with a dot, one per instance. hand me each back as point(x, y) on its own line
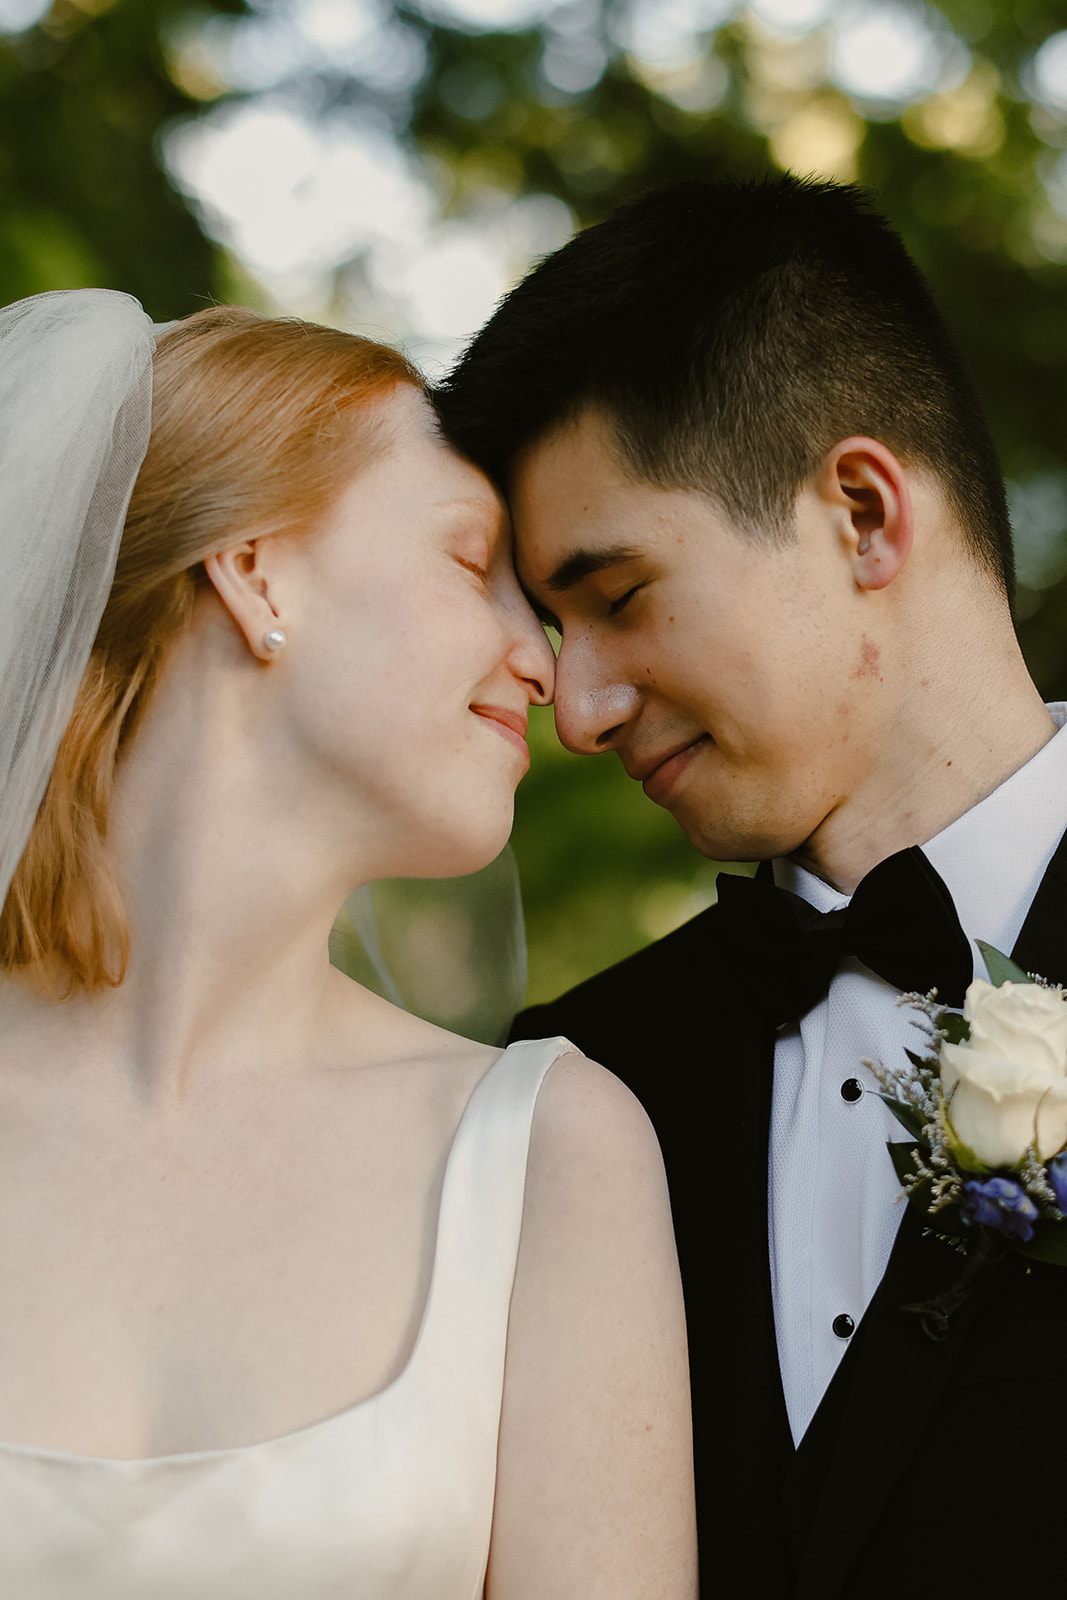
point(729, 674)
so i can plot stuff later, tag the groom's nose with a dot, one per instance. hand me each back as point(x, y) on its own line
point(593, 706)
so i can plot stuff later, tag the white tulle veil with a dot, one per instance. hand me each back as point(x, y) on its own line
point(75, 413)
point(450, 950)
point(75, 417)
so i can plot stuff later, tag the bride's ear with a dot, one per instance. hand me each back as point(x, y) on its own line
point(241, 581)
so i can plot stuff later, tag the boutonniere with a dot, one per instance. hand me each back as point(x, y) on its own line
point(985, 1109)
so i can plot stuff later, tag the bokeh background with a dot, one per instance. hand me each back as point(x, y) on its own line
point(393, 168)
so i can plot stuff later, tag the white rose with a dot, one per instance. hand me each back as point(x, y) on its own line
point(1008, 1084)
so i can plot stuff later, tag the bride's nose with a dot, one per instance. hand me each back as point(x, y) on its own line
point(530, 656)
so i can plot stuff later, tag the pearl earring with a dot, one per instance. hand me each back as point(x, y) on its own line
point(274, 640)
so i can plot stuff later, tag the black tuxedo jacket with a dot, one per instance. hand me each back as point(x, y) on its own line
point(927, 1467)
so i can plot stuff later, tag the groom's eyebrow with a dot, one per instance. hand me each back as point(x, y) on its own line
point(581, 563)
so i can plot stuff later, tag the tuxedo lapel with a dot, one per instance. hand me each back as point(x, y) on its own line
point(1042, 944)
point(761, 1447)
point(739, 1414)
point(865, 1436)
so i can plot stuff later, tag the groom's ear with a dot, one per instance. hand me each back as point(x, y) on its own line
point(241, 579)
point(866, 488)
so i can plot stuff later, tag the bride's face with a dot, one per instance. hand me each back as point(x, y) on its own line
point(413, 655)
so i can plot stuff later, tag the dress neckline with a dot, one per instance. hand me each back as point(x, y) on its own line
point(181, 1458)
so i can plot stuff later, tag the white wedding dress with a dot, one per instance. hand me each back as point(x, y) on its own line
point(390, 1500)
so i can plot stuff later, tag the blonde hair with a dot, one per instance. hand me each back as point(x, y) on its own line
point(257, 425)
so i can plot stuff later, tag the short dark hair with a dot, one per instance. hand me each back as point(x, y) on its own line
point(733, 333)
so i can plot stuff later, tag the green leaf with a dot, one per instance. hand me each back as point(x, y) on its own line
point(920, 1061)
point(1001, 968)
point(903, 1157)
point(948, 1219)
point(1048, 1244)
point(908, 1118)
point(957, 1029)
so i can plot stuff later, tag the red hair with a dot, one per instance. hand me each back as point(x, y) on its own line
point(257, 425)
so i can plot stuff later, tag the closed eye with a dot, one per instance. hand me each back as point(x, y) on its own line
point(623, 601)
point(544, 617)
point(473, 566)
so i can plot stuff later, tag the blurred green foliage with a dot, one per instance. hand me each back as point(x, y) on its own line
point(570, 108)
point(84, 95)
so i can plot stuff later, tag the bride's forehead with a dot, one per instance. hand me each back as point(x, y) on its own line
point(404, 504)
point(425, 476)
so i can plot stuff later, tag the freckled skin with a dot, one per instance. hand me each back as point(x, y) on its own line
point(870, 656)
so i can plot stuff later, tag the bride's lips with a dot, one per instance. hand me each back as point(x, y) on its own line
point(659, 780)
point(511, 724)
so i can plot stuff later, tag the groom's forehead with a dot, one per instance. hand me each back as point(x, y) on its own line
point(578, 507)
point(569, 476)
point(568, 501)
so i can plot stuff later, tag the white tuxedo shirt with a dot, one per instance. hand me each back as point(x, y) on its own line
point(833, 1193)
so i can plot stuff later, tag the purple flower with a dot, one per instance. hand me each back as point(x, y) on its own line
point(1000, 1203)
point(1057, 1176)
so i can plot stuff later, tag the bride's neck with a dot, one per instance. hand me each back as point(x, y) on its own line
point(231, 870)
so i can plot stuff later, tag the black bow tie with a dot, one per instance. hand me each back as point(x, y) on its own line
point(900, 922)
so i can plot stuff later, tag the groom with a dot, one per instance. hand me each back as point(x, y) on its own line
point(754, 492)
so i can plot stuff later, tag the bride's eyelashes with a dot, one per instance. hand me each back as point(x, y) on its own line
point(479, 568)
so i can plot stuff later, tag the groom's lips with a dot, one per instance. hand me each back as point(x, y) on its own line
point(658, 777)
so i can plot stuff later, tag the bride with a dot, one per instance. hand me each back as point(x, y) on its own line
point(303, 1297)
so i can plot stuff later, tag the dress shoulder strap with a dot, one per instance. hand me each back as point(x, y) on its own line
point(480, 1221)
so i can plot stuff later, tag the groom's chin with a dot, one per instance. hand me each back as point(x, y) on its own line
point(721, 836)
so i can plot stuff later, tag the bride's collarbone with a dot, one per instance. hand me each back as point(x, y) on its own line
point(213, 1280)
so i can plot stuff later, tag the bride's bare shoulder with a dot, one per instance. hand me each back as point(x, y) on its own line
point(594, 1487)
point(595, 1186)
point(591, 1137)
